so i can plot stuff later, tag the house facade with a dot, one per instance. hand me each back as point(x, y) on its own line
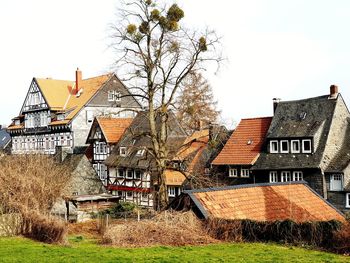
point(61, 112)
point(234, 162)
point(104, 134)
point(131, 166)
point(309, 140)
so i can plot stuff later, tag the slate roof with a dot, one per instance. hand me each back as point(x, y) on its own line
point(135, 138)
point(306, 118)
point(5, 138)
point(245, 143)
point(264, 202)
point(113, 128)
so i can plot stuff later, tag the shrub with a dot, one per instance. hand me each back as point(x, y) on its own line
point(287, 231)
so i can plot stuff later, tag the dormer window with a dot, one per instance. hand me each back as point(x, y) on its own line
point(122, 151)
point(140, 152)
point(306, 144)
point(60, 117)
point(284, 146)
point(17, 122)
point(295, 145)
point(273, 146)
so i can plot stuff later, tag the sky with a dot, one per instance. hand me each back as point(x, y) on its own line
point(289, 49)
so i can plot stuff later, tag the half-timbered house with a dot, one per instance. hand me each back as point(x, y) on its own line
point(309, 140)
point(104, 135)
point(131, 166)
point(60, 112)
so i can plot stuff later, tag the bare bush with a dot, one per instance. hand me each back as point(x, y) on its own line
point(29, 186)
point(167, 228)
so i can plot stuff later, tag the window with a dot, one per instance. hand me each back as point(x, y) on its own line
point(306, 146)
point(122, 151)
point(89, 116)
point(347, 200)
point(285, 176)
point(244, 172)
point(273, 177)
point(128, 195)
point(138, 174)
point(297, 176)
point(129, 174)
point(113, 95)
point(295, 146)
point(284, 144)
point(17, 122)
point(60, 117)
point(120, 173)
point(336, 182)
point(171, 191)
point(140, 152)
point(273, 146)
point(232, 172)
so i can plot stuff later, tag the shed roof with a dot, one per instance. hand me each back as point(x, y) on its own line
point(245, 143)
point(265, 202)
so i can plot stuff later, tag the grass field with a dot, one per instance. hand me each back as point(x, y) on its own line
point(18, 249)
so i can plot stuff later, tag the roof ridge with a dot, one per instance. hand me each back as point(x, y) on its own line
point(232, 187)
point(311, 98)
point(256, 118)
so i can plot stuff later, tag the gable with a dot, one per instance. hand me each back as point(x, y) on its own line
point(114, 86)
point(34, 99)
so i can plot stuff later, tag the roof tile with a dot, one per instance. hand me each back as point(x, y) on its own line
point(244, 145)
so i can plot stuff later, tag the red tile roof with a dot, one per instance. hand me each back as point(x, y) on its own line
point(265, 202)
point(113, 128)
point(245, 143)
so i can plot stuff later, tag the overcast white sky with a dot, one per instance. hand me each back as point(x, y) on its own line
point(289, 49)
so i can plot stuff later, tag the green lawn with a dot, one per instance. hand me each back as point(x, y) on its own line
point(23, 250)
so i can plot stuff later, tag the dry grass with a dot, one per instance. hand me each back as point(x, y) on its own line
point(167, 228)
point(29, 186)
point(89, 229)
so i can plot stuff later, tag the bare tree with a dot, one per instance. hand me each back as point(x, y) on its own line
point(155, 54)
point(195, 106)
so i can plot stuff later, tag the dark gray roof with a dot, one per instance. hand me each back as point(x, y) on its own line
point(342, 158)
point(136, 138)
point(307, 118)
point(5, 138)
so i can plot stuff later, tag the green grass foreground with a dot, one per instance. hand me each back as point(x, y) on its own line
point(18, 249)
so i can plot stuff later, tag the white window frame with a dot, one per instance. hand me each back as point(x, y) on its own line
point(140, 173)
point(233, 172)
point(127, 193)
point(292, 149)
point(297, 176)
point(110, 95)
point(171, 191)
point(347, 200)
point(331, 184)
point(303, 146)
point(273, 176)
point(285, 175)
point(127, 174)
point(281, 148)
point(245, 172)
point(271, 148)
point(122, 151)
point(140, 152)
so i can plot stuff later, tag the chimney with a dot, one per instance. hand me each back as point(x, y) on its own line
point(275, 103)
point(78, 80)
point(333, 91)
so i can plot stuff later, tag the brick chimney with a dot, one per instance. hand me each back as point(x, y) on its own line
point(333, 91)
point(275, 103)
point(78, 80)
